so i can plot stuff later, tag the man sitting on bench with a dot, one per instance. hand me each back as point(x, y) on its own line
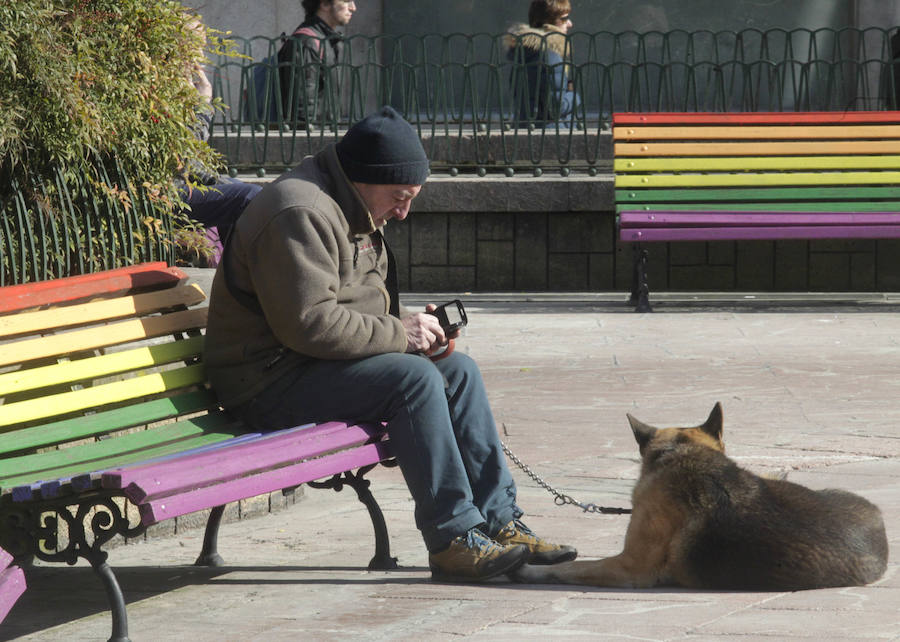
point(305, 326)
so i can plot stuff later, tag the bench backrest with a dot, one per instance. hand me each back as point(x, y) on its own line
point(800, 162)
point(127, 365)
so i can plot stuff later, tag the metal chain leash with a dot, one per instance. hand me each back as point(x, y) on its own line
point(561, 499)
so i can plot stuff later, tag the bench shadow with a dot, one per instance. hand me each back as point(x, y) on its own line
point(58, 595)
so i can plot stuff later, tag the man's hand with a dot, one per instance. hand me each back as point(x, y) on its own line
point(423, 333)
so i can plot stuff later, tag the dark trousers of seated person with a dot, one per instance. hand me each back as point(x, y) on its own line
point(440, 424)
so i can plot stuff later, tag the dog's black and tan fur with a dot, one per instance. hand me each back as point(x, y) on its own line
point(700, 521)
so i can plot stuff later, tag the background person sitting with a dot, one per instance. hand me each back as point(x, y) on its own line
point(539, 50)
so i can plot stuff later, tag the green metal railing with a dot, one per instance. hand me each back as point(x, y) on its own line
point(61, 227)
point(457, 90)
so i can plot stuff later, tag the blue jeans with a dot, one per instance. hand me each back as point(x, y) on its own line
point(439, 421)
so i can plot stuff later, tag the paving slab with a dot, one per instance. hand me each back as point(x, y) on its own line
point(811, 390)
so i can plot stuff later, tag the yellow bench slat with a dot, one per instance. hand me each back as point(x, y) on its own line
point(755, 148)
point(102, 336)
point(729, 164)
point(105, 365)
point(87, 398)
point(752, 178)
point(757, 132)
point(101, 310)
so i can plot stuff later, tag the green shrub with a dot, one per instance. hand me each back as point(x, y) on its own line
point(95, 99)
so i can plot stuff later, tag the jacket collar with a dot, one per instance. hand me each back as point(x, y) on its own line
point(317, 23)
point(345, 195)
point(535, 38)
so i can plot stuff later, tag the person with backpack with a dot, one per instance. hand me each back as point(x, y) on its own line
point(307, 62)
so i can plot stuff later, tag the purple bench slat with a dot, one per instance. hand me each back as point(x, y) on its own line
point(87, 481)
point(760, 233)
point(50, 489)
point(12, 584)
point(163, 508)
point(224, 464)
point(738, 218)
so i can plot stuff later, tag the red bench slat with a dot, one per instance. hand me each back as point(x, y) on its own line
point(754, 118)
point(30, 295)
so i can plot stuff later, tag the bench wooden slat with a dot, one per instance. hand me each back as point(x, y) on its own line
point(641, 118)
point(767, 194)
point(750, 163)
point(93, 479)
point(102, 336)
point(223, 464)
point(786, 206)
point(102, 310)
point(167, 507)
point(106, 421)
point(760, 233)
point(754, 148)
point(108, 453)
point(100, 395)
point(754, 133)
point(72, 288)
point(102, 366)
point(755, 178)
point(12, 585)
point(737, 218)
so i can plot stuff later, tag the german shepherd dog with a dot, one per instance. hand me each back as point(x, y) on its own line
point(699, 521)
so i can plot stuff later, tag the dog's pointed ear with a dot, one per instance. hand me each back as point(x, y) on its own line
point(642, 432)
point(713, 424)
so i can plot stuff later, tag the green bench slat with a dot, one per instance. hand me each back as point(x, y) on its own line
point(124, 449)
point(103, 422)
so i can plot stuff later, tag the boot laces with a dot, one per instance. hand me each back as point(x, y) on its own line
point(480, 542)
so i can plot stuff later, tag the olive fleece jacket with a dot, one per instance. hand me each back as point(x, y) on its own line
point(307, 249)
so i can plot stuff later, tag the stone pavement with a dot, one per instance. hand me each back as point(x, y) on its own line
point(810, 389)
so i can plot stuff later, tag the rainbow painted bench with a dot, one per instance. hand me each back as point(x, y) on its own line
point(754, 176)
point(108, 426)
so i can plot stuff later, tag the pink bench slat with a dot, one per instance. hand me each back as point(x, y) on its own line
point(219, 465)
point(698, 218)
point(12, 584)
point(87, 481)
point(760, 233)
point(157, 510)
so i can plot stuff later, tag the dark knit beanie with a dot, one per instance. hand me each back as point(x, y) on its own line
point(383, 149)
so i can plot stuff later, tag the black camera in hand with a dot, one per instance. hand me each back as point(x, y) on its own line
point(451, 316)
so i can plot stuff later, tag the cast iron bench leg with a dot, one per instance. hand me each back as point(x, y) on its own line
point(640, 289)
point(116, 600)
point(382, 561)
point(209, 556)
